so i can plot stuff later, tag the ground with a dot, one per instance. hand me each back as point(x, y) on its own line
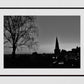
point(36, 61)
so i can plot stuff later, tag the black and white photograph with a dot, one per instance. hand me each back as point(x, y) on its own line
point(41, 41)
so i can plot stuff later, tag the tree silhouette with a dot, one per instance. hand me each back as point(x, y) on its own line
point(19, 31)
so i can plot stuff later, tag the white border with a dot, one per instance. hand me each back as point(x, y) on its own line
point(42, 3)
point(55, 12)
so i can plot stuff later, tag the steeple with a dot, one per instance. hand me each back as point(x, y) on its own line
point(57, 44)
point(57, 50)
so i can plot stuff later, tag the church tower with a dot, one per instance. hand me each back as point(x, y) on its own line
point(57, 50)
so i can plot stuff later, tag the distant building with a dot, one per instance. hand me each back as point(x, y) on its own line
point(66, 58)
point(57, 50)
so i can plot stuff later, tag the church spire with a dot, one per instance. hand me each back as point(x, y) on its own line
point(57, 50)
point(57, 44)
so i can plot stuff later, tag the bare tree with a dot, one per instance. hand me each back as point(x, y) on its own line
point(19, 31)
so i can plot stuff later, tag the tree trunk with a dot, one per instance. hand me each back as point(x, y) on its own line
point(14, 49)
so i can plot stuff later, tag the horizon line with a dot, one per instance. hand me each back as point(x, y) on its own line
point(44, 52)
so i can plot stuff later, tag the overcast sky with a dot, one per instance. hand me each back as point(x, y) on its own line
point(66, 28)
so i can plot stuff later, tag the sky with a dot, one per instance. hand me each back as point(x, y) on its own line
point(65, 28)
